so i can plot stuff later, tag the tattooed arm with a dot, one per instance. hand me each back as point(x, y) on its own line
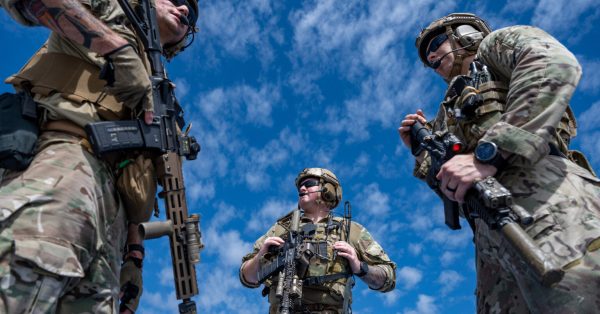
point(70, 19)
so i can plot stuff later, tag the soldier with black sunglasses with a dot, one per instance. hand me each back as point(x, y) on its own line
point(64, 220)
point(337, 256)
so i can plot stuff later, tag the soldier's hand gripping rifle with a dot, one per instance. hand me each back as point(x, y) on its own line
point(162, 137)
point(487, 200)
point(287, 264)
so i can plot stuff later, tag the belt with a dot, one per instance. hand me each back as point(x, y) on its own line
point(68, 127)
point(65, 126)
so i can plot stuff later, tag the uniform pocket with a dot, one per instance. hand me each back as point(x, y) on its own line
point(10, 204)
point(50, 255)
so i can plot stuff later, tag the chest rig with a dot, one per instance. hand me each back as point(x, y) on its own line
point(480, 96)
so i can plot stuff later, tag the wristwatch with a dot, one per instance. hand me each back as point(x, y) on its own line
point(487, 153)
point(364, 269)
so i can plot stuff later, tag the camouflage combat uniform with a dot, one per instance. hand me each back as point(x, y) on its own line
point(327, 298)
point(62, 224)
point(525, 112)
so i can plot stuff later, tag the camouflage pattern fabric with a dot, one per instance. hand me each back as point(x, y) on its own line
point(328, 298)
point(61, 231)
point(563, 198)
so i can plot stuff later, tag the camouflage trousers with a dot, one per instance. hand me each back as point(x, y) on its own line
point(61, 232)
point(564, 200)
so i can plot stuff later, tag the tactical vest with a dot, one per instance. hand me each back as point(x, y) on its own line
point(493, 95)
point(326, 278)
point(74, 79)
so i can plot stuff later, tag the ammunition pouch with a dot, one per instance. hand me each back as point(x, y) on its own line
point(18, 130)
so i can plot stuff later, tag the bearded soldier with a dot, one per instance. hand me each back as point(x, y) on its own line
point(63, 225)
point(339, 249)
point(515, 122)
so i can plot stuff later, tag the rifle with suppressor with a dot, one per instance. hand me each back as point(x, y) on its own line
point(164, 139)
point(487, 200)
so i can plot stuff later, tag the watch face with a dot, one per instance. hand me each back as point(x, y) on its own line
point(485, 151)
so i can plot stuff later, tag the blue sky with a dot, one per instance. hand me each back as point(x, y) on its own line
point(273, 87)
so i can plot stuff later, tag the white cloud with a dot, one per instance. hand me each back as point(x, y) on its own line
point(451, 238)
point(240, 28)
point(564, 17)
point(449, 279)
point(373, 201)
point(409, 277)
point(590, 80)
point(590, 119)
point(200, 190)
point(268, 214)
point(448, 258)
point(415, 248)
point(425, 305)
point(165, 276)
point(390, 298)
point(156, 302)
point(228, 245)
point(351, 38)
point(223, 293)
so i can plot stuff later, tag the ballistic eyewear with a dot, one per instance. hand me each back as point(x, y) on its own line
point(308, 183)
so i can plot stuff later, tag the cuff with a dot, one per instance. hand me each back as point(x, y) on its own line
point(244, 281)
point(515, 140)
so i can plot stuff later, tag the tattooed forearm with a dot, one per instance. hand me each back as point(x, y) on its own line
point(71, 19)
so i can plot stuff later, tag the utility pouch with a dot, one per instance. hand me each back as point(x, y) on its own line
point(19, 130)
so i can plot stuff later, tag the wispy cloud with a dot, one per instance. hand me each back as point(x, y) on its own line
point(590, 80)
point(560, 16)
point(408, 277)
point(348, 38)
point(449, 279)
point(240, 28)
point(266, 216)
point(425, 305)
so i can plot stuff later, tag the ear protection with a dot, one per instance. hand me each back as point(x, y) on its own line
point(328, 193)
point(468, 37)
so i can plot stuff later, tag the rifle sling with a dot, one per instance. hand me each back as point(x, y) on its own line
point(319, 280)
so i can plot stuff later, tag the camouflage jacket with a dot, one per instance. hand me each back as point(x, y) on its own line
point(528, 103)
point(540, 75)
point(330, 293)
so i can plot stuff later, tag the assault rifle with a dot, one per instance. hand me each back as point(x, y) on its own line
point(163, 138)
point(487, 200)
point(289, 262)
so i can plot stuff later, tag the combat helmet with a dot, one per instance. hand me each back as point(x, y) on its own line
point(465, 29)
point(170, 51)
point(331, 190)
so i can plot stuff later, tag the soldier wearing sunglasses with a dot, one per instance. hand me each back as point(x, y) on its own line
point(508, 102)
point(339, 253)
point(64, 237)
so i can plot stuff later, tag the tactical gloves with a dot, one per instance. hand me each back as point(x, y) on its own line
point(127, 78)
point(131, 284)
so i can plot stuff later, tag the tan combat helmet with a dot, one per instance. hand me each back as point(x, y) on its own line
point(465, 29)
point(331, 190)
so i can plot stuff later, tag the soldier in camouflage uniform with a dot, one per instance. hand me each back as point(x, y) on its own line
point(525, 122)
point(63, 225)
point(346, 255)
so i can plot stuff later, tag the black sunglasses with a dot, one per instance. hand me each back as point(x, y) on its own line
point(308, 183)
point(436, 42)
